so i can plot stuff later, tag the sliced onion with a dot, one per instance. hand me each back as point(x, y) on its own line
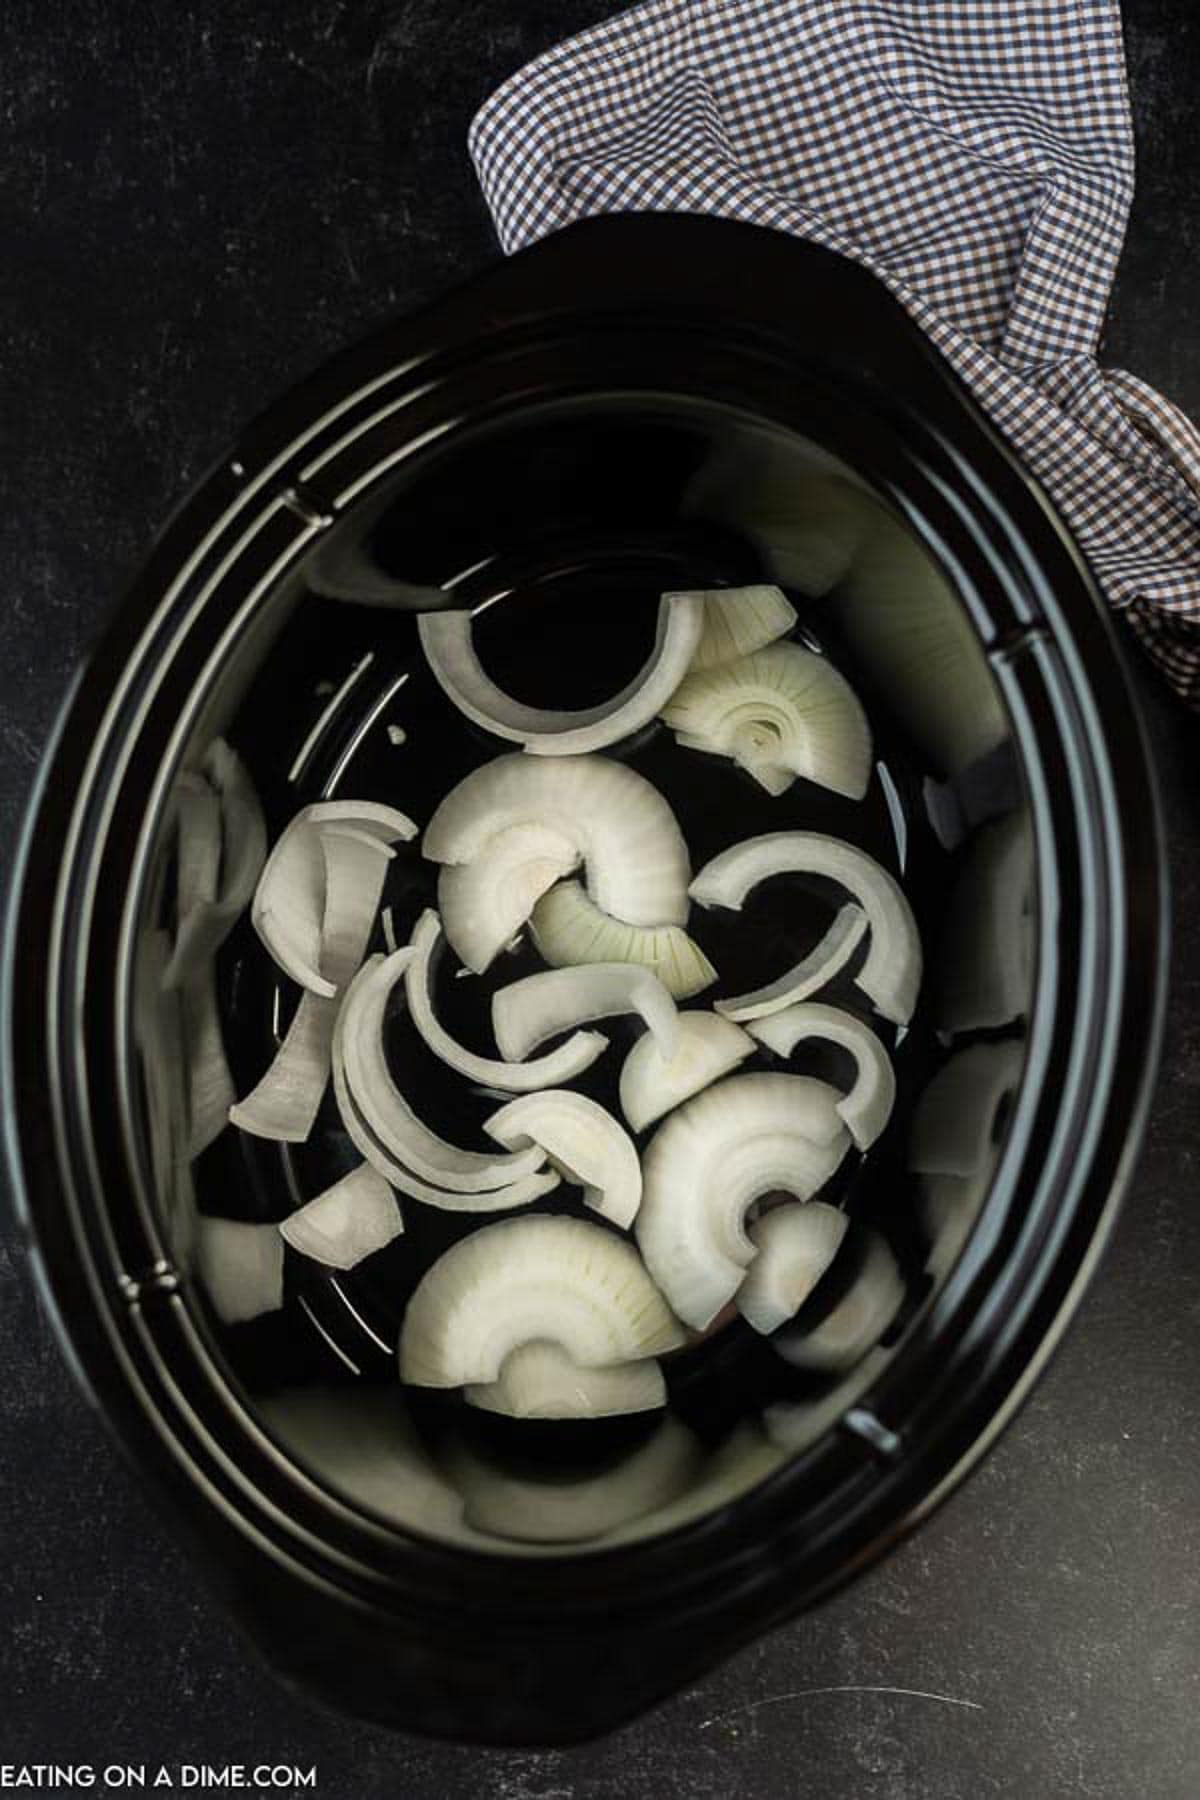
point(436, 1172)
point(749, 1136)
point(351, 1220)
point(569, 928)
point(813, 972)
point(745, 1458)
point(575, 1508)
point(955, 1124)
point(948, 1206)
point(386, 1112)
point(539, 1276)
point(985, 969)
point(484, 903)
point(652, 1084)
point(783, 712)
point(286, 1101)
point(240, 1268)
point(293, 913)
point(794, 1246)
point(891, 975)
point(857, 1322)
point(738, 621)
point(527, 1012)
point(203, 928)
point(867, 1108)
point(552, 1070)
point(584, 1143)
point(636, 861)
point(539, 1381)
point(450, 652)
point(211, 1092)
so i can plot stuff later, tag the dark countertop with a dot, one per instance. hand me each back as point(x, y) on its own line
point(198, 204)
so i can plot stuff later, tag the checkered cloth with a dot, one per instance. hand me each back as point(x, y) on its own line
point(976, 154)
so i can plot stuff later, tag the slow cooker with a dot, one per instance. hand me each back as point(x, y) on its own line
point(638, 404)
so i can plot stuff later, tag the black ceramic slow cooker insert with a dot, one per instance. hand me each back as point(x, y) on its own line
point(640, 404)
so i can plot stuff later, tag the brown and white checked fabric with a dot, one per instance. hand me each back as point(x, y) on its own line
point(976, 154)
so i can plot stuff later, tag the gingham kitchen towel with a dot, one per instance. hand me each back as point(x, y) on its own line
point(976, 154)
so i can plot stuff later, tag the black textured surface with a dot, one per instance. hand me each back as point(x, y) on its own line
point(196, 205)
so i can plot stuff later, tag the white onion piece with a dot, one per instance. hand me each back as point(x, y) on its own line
point(286, 1101)
point(569, 928)
point(813, 972)
point(783, 712)
point(292, 913)
point(242, 853)
point(553, 1070)
point(383, 1108)
point(636, 862)
point(745, 1458)
point(158, 1033)
point(749, 1136)
point(794, 1246)
point(450, 652)
point(738, 621)
point(652, 1084)
point(573, 1509)
point(519, 1192)
point(857, 1322)
point(955, 1121)
point(240, 1268)
point(351, 1220)
point(355, 871)
point(891, 975)
point(583, 1142)
point(867, 1108)
point(539, 1381)
point(486, 902)
point(985, 963)
point(948, 1206)
point(527, 1012)
point(536, 1277)
point(211, 1092)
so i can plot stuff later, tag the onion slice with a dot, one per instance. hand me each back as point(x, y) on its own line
point(867, 1108)
point(636, 862)
point(198, 829)
point(318, 883)
point(351, 1220)
point(985, 971)
point(572, 1509)
point(552, 1070)
point(959, 1115)
point(794, 1247)
point(813, 972)
point(286, 1101)
point(486, 902)
point(569, 929)
point(891, 975)
point(783, 712)
point(527, 1012)
point(446, 638)
point(539, 1381)
point(738, 621)
point(652, 1084)
point(583, 1142)
point(543, 1276)
point(857, 1322)
point(383, 1107)
point(240, 1268)
point(749, 1136)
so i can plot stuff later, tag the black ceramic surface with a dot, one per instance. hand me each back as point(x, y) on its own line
point(1060, 1706)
